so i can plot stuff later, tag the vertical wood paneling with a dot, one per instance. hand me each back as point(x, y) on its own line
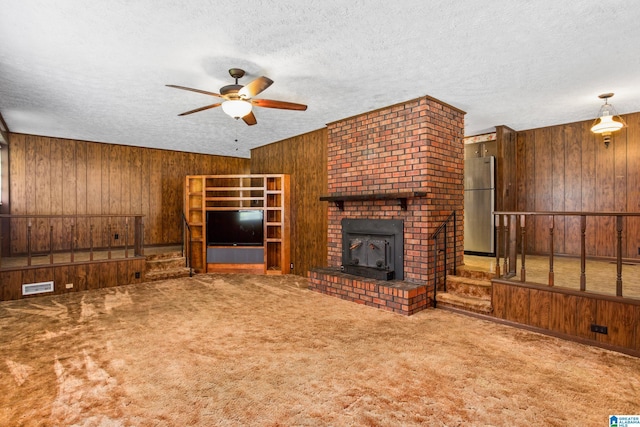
point(604, 197)
point(145, 193)
point(562, 313)
point(154, 220)
point(557, 150)
point(69, 190)
point(633, 184)
point(572, 187)
point(304, 158)
point(18, 176)
point(567, 167)
point(569, 313)
point(58, 176)
point(56, 193)
point(499, 300)
point(518, 304)
point(544, 187)
point(588, 183)
point(539, 315)
point(586, 312)
point(620, 321)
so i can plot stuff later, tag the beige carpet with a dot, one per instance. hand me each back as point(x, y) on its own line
point(236, 350)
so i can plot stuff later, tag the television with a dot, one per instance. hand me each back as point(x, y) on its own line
point(235, 228)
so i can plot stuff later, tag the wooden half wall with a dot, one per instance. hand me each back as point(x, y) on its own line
point(304, 157)
point(568, 168)
point(65, 177)
point(570, 314)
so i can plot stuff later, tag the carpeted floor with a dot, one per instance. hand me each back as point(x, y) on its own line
point(237, 350)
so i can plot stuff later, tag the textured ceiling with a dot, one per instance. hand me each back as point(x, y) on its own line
point(96, 70)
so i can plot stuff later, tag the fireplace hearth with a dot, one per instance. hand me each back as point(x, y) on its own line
point(373, 248)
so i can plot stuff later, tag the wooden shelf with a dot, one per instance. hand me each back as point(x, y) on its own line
point(402, 197)
point(266, 192)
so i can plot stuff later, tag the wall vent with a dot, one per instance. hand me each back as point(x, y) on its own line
point(37, 288)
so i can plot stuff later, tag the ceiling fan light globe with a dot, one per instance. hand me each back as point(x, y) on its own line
point(236, 108)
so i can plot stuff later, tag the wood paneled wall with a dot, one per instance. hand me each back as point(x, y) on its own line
point(64, 177)
point(304, 157)
point(568, 168)
point(84, 276)
point(570, 313)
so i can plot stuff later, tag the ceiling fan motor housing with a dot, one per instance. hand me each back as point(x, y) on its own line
point(231, 91)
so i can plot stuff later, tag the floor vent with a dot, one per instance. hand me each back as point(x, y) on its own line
point(37, 288)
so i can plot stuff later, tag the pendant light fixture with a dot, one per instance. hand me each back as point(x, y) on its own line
point(607, 121)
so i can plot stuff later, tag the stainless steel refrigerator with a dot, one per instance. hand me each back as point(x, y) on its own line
point(479, 204)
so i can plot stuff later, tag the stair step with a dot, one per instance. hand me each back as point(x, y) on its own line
point(165, 264)
point(468, 303)
point(172, 273)
point(475, 273)
point(163, 255)
point(479, 288)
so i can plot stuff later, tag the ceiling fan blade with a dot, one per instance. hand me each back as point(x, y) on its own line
point(254, 87)
point(196, 90)
point(269, 103)
point(201, 109)
point(250, 119)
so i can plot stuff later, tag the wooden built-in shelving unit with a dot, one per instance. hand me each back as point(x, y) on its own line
point(267, 193)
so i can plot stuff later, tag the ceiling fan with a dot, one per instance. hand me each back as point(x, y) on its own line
point(238, 99)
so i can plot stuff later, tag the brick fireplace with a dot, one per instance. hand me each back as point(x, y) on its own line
point(403, 163)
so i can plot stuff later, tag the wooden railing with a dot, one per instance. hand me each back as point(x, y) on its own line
point(511, 227)
point(63, 239)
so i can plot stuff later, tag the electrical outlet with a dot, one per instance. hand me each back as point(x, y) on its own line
point(69, 286)
point(291, 266)
point(599, 329)
point(116, 236)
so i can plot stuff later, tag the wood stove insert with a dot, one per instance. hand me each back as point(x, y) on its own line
point(373, 248)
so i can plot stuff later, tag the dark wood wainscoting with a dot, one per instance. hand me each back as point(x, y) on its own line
point(81, 276)
point(570, 314)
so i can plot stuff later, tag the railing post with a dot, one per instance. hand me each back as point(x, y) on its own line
point(444, 245)
point(137, 238)
point(505, 224)
point(497, 222)
point(29, 243)
point(73, 234)
point(583, 253)
point(551, 218)
point(50, 243)
point(455, 244)
point(619, 256)
point(126, 237)
point(435, 270)
point(91, 242)
point(523, 271)
point(109, 239)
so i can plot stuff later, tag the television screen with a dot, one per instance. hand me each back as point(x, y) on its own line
point(235, 228)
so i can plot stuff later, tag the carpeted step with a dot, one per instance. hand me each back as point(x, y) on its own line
point(475, 273)
point(165, 264)
point(465, 286)
point(468, 303)
point(163, 255)
point(171, 273)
